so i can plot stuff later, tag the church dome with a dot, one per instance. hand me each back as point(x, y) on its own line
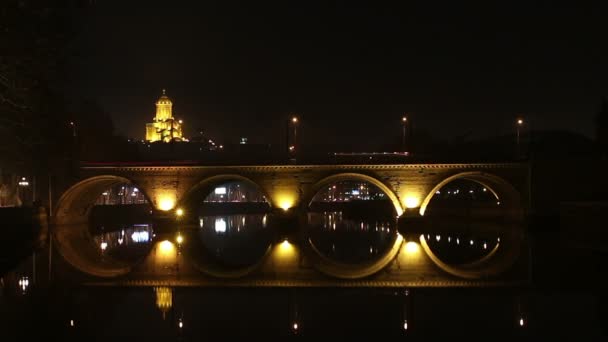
point(164, 99)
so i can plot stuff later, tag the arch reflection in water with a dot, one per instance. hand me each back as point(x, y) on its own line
point(469, 217)
point(348, 240)
point(457, 249)
point(237, 240)
point(351, 222)
point(126, 243)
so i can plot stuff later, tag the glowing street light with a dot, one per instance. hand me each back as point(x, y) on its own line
point(73, 125)
point(179, 212)
point(23, 182)
point(403, 137)
point(519, 124)
point(291, 146)
point(295, 327)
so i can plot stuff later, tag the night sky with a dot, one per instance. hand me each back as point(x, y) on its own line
point(350, 70)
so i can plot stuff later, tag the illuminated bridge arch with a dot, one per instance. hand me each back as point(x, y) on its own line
point(343, 270)
point(71, 226)
point(499, 259)
point(354, 177)
point(207, 185)
point(509, 197)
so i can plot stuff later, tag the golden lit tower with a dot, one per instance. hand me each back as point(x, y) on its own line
point(164, 127)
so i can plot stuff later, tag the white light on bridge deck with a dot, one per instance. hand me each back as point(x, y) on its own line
point(521, 322)
point(220, 190)
point(103, 246)
point(71, 322)
point(405, 326)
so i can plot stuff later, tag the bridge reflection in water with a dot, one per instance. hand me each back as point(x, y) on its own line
point(345, 229)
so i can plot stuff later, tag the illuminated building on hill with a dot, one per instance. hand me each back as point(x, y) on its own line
point(164, 127)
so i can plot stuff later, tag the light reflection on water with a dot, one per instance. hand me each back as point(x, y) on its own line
point(124, 242)
point(350, 241)
point(235, 240)
point(461, 248)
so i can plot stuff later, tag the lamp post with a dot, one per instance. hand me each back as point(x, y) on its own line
point(294, 121)
point(292, 147)
point(518, 125)
point(73, 124)
point(404, 123)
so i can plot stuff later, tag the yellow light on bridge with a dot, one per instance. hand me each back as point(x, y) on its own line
point(179, 239)
point(166, 246)
point(166, 203)
point(179, 212)
point(412, 247)
point(412, 202)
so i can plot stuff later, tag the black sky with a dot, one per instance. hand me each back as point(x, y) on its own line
point(236, 69)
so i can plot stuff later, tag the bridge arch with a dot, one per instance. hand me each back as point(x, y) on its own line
point(339, 269)
point(202, 262)
point(509, 197)
point(71, 233)
point(498, 259)
point(207, 184)
point(356, 177)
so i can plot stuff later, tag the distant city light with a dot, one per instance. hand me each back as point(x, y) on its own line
point(24, 182)
point(220, 190)
point(139, 237)
point(103, 245)
point(405, 325)
point(24, 283)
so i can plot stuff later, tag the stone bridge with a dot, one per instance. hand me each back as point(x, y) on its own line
point(290, 188)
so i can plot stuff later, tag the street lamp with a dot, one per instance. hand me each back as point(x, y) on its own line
point(73, 124)
point(404, 123)
point(292, 143)
point(518, 125)
point(294, 121)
